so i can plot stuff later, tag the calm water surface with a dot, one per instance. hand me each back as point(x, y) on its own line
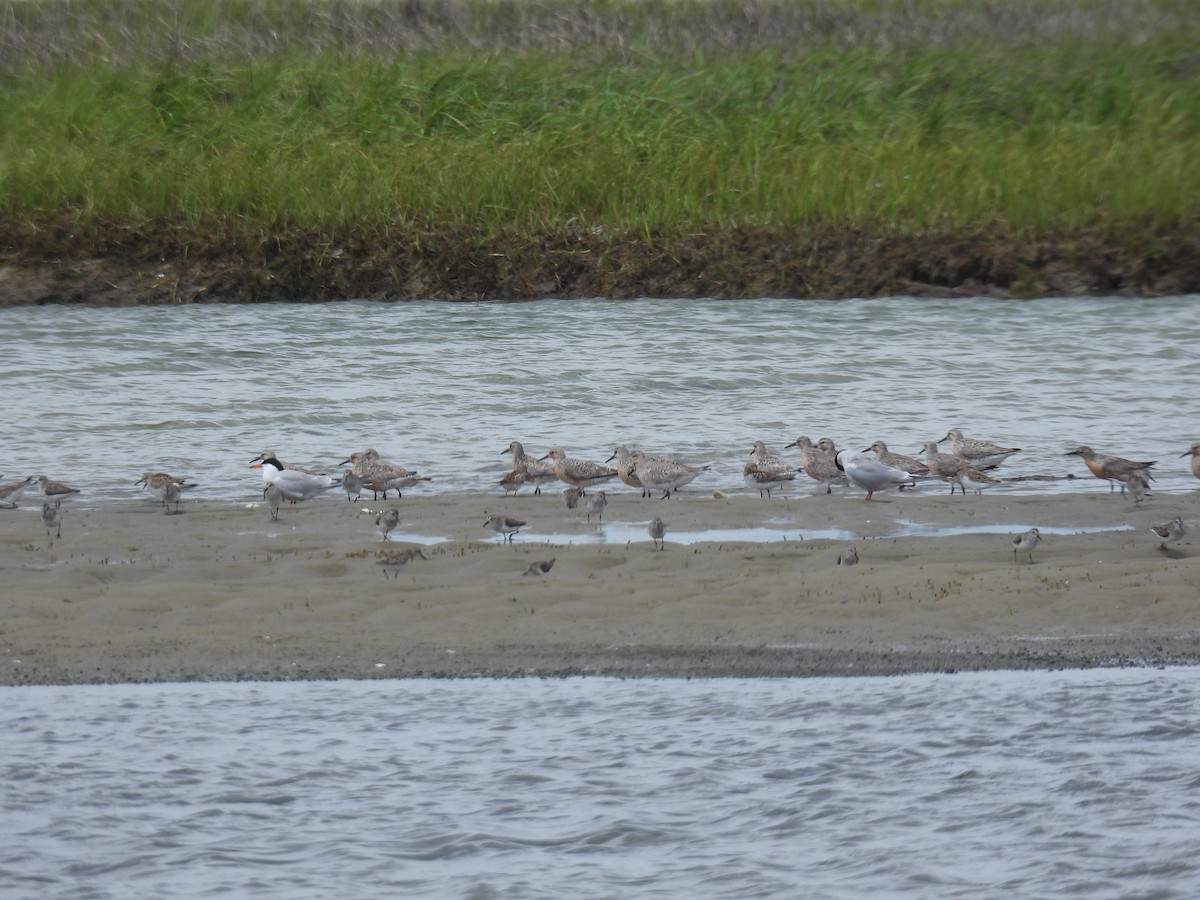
point(103, 394)
point(1042, 784)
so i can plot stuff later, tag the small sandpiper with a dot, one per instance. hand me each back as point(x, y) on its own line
point(56, 490)
point(273, 494)
point(1169, 532)
point(848, 557)
point(539, 568)
point(1026, 541)
point(52, 518)
point(657, 529)
point(595, 505)
point(394, 562)
point(387, 522)
point(506, 526)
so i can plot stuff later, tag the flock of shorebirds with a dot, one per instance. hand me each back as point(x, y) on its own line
point(970, 462)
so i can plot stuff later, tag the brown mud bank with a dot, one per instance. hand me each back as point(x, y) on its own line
point(162, 262)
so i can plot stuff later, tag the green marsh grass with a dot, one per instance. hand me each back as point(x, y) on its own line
point(654, 117)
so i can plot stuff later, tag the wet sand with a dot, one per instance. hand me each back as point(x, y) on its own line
point(221, 592)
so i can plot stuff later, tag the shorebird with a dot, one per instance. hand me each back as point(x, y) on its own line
point(571, 496)
point(52, 518)
point(666, 475)
point(1194, 452)
point(170, 493)
point(1026, 541)
point(1138, 486)
point(765, 472)
point(394, 562)
point(387, 522)
point(56, 490)
point(380, 476)
point(512, 482)
point(977, 478)
point(1111, 468)
point(294, 484)
point(1168, 532)
point(977, 452)
point(274, 497)
point(578, 473)
point(595, 505)
point(505, 526)
point(947, 467)
point(848, 557)
point(352, 484)
point(13, 490)
point(897, 460)
point(540, 568)
point(532, 471)
point(156, 481)
point(870, 474)
point(657, 530)
point(818, 464)
point(625, 469)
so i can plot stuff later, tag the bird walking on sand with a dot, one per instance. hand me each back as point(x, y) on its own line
point(1138, 486)
point(571, 496)
point(170, 493)
point(977, 452)
point(273, 494)
point(848, 557)
point(625, 469)
point(387, 522)
point(52, 518)
point(595, 505)
point(505, 526)
point(352, 484)
point(1113, 469)
point(1026, 541)
point(540, 568)
point(1168, 532)
point(394, 562)
point(55, 490)
point(657, 529)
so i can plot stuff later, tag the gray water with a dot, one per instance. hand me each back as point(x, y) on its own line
point(1007, 784)
point(97, 396)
